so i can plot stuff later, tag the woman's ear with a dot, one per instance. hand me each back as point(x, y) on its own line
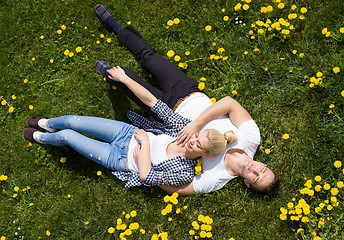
point(247, 184)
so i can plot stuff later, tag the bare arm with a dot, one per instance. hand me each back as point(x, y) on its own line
point(117, 74)
point(142, 154)
point(226, 105)
point(184, 190)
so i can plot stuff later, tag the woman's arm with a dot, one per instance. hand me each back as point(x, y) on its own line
point(226, 105)
point(142, 153)
point(117, 74)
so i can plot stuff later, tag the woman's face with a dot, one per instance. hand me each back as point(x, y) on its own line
point(198, 145)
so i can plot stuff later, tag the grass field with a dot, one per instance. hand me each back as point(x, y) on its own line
point(277, 60)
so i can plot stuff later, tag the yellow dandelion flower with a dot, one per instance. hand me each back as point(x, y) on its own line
point(98, 42)
point(169, 22)
point(336, 69)
point(269, 8)
point(302, 17)
point(303, 10)
point(59, 31)
point(256, 50)
point(33, 59)
point(71, 54)
point(47, 233)
point(267, 151)
point(213, 100)
point(78, 49)
point(25, 80)
point(324, 31)
point(41, 37)
point(111, 230)
point(327, 34)
point(11, 109)
point(331, 106)
point(176, 21)
point(99, 173)
point(30, 107)
point(63, 159)
point(317, 178)
point(293, 7)
point(245, 7)
point(101, 35)
point(51, 61)
point(14, 97)
point(177, 58)
point(317, 188)
point(225, 18)
point(340, 184)
point(246, 52)
point(66, 52)
point(302, 55)
point(260, 31)
point(133, 213)
point(201, 85)
point(337, 164)
point(283, 217)
point(234, 92)
point(280, 5)
point(170, 53)
point(63, 27)
point(129, 22)
point(285, 136)
point(237, 7)
point(187, 53)
point(207, 28)
point(327, 186)
point(108, 40)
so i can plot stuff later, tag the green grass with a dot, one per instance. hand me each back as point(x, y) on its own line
point(279, 99)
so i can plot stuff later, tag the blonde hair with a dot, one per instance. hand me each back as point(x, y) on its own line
point(218, 141)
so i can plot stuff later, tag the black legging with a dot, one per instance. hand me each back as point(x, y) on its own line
point(174, 83)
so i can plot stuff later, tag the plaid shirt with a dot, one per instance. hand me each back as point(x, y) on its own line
point(176, 171)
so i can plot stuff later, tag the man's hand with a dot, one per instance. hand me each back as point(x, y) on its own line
point(187, 132)
point(117, 74)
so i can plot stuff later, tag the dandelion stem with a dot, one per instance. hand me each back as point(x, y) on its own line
point(52, 81)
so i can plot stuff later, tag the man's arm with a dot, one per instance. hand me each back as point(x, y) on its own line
point(183, 191)
point(117, 74)
point(226, 105)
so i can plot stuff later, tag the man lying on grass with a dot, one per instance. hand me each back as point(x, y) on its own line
point(181, 93)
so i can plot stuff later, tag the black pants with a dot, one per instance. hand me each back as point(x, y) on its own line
point(174, 83)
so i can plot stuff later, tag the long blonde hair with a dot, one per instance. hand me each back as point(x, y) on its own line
point(218, 141)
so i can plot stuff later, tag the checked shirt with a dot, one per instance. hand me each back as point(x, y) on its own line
point(176, 171)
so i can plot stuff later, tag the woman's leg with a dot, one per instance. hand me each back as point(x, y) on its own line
point(105, 129)
point(174, 82)
point(97, 151)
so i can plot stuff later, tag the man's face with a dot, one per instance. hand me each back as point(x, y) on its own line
point(257, 175)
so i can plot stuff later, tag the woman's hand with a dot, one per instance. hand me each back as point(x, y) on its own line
point(136, 154)
point(117, 74)
point(141, 136)
point(187, 132)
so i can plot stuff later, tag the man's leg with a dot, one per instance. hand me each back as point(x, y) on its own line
point(174, 82)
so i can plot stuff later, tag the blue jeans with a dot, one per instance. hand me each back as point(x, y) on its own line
point(111, 154)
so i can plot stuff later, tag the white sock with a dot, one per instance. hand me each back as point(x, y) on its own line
point(43, 124)
point(37, 136)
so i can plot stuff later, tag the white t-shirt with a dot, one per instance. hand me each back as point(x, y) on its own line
point(215, 175)
point(158, 146)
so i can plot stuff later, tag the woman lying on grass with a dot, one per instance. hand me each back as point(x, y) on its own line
point(134, 155)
